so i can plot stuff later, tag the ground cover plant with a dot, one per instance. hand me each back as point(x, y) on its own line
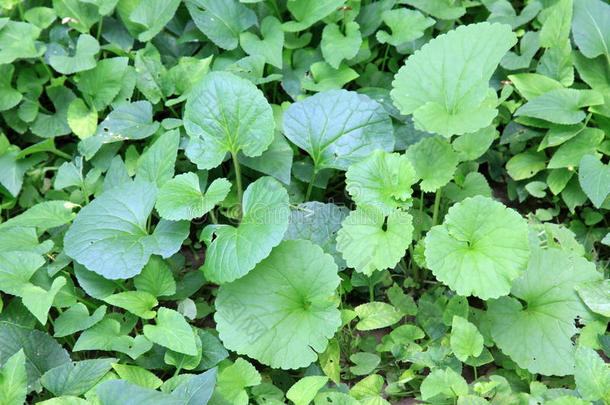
point(304, 201)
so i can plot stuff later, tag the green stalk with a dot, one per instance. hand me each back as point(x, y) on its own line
point(371, 293)
point(437, 203)
point(238, 180)
point(475, 373)
point(213, 217)
point(310, 186)
point(99, 27)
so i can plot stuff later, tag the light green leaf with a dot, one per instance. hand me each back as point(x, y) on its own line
point(83, 59)
point(130, 121)
point(235, 251)
point(556, 28)
point(376, 315)
point(323, 77)
point(156, 165)
point(303, 391)
point(225, 113)
point(369, 241)
point(106, 335)
point(284, 303)
point(17, 41)
point(137, 375)
point(383, 180)
point(445, 84)
point(43, 216)
point(571, 152)
point(14, 380)
point(113, 392)
point(338, 128)
point(473, 145)
point(434, 161)
point(474, 184)
point(41, 17)
point(443, 9)
point(233, 380)
point(406, 25)
point(153, 15)
point(16, 269)
point(337, 46)
point(368, 387)
point(152, 78)
point(139, 303)
point(308, 12)
point(52, 125)
point(596, 295)
point(479, 249)
point(560, 106)
point(75, 378)
point(275, 161)
point(76, 318)
point(82, 120)
point(109, 235)
point(156, 278)
point(526, 164)
point(65, 400)
point(365, 363)
point(594, 178)
point(466, 340)
point(270, 47)
point(197, 390)
point(102, 84)
point(221, 20)
point(528, 46)
point(184, 361)
point(172, 331)
point(92, 283)
point(592, 375)
point(532, 85)
point(538, 336)
point(181, 197)
point(82, 14)
point(444, 384)
point(591, 27)
point(38, 301)
point(9, 97)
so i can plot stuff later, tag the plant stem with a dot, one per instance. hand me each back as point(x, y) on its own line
point(385, 57)
point(46, 67)
point(310, 186)
point(61, 154)
point(475, 373)
point(238, 181)
point(371, 292)
point(437, 203)
point(21, 14)
point(99, 27)
point(213, 217)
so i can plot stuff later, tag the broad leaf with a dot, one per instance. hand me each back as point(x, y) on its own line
point(17, 41)
point(113, 392)
point(156, 165)
point(76, 378)
point(139, 303)
point(466, 340)
point(538, 336)
point(594, 178)
point(304, 390)
point(445, 84)
point(172, 331)
point(83, 59)
point(225, 113)
point(592, 375)
point(376, 315)
point(337, 45)
point(197, 390)
point(270, 47)
point(560, 106)
point(233, 380)
point(338, 128)
point(591, 27)
point(308, 12)
point(76, 318)
point(434, 161)
point(14, 380)
point(596, 295)
point(153, 15)
point(480, 248)
point(156, 278)
point(235, 251)
point(406, 25)
point(137, 375)
point(284, 304)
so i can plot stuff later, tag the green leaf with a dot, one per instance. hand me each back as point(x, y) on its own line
point(275, 161)
point(153, 15)
point(102, 84)
point(308, 12)
point(130, 121)
point(139, 303)
point(83, 59)
point(434, 161)
point(560, 106)
point(17, 41)
point(594, 178)
point(365, 363)
point(532, 85)
point(571, 152)
point(235, 251)
point(156, 165)
point(538, 336)
point(113, 392)
point(43, 216)
point(383, 180)
point(338, 128)
point(376, 315)
point(324, 77)
point(526, 164)
point(337, 46)
point(270, 47)
point(225, 113)
point(156, 278)
point(466, 340)
point(591, 27)
point(14, 380)
point(221, 20)
point(443, 9)
point(197, 390)
point(473, 145)
point(556, 28)
point(406, 25)
point(233, 380)
point(445, 84)
point(42, 352)
point(137, 375)
point(444, 384)
point(303, 391)
point(9, 97)
point(181, 197)
point(592, 375)
point(106, 335)
point(38, 301)
point(41, 17)
point(369, 241)
point(479, 249)
point(172, 331)
point(76, 318)
point(369, 386)
point(81, 119)
point(75, 378)
point(109, 235)
point(596, 295)
point(152, 78)
point(92, 283)
point(284, 303)
point(82, 14)
point(65, 400)
point(16, 269)
point(52, 125)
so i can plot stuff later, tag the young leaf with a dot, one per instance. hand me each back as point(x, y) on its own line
point(225, 113)
point(307, 12)
point(480, 248)
point(103, 83)
point(538, 337)
point(233, 380)
point(434, 161)
point(369, 241)
point(181, 197)
point(270, 47)
point(337, 46)
point(156, 165)
point(76, 378)
point(76, 318)
point(338, 128)
point(561, 106)
point(376, 315)
point(17, 41)
point(137, 375)
point(383, 180)
point(235, 251)
point(106, 335)
point(466, 340)
point(283, 303)
point(14, 380)
point(445, 84)
point(16, 269)
point(139, 303)
point(38, 301)
point(443, 383)
point(594, 178)
point(303, 391)
point(198, 389)
point(156, 278)
point(172, 331)
point(84, 58)
point(406, 25)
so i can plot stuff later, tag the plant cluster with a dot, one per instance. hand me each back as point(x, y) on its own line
point(304, 201)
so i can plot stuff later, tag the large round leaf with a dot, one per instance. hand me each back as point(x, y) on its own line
point(383, 180)
point(281, 313)
point(235, 251)
point(109, 236)
point(445, 84)
point(480, 248)
point(338, 128)
point(538, 336)
point(225, 113)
